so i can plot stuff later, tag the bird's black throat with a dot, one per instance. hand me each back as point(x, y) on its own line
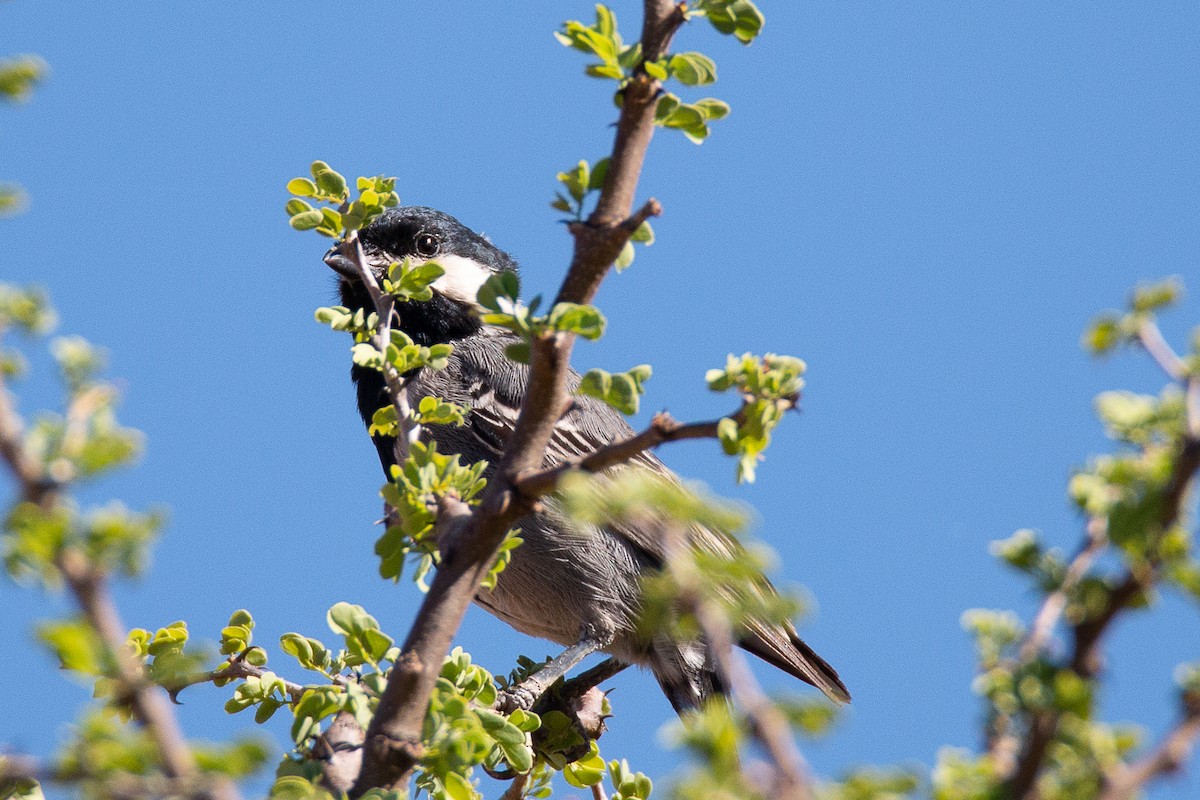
point(438, 320)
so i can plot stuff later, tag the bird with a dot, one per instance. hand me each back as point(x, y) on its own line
point(573, 584)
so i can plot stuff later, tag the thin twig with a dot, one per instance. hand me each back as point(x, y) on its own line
point(385, 307)
point(1169, 757)
point(662, 428)
point(792, 780)
point(1052, 608)
point(1151, 339)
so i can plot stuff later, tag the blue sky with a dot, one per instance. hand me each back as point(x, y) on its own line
point(927, 202)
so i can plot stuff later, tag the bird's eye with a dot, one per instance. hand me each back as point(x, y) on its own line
point(427, 244)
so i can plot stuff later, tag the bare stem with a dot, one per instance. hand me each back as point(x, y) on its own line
point(663, 428)
point(1152, 340)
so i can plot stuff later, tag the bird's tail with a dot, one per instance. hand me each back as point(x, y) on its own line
point(782, 648)
point(685, 674)
point(688, 678)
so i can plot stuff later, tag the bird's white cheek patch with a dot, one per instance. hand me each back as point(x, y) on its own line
point(463, 278)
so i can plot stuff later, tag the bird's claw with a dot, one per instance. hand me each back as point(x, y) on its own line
point(515, 697)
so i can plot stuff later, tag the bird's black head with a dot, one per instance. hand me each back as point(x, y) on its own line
point(424, 234)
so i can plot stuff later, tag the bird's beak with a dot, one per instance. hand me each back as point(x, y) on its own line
point(340, 264)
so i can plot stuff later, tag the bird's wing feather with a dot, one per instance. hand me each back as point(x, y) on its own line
point(588, 426)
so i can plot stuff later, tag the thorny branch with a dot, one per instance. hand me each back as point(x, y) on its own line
point(393, 739)
point(89, 586)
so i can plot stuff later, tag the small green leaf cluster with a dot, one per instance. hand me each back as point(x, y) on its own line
point(499, 297)
point(410, 281)
point(105, 756)
point(629, 785)
point(769, 386)
point(340, 215)
point(18, 76)
point(113, 538)
point(413, 492)
point(812, 717)
point(1025, 552)
point(25, 309)
point(163, 657)
point(402, 354)
point(714, 735)
point(602, 40)
point(1113, 330)
point(691, 119)
point(621, 63)
point(739, 18)
point(430, 411)
point(621, 390)
point(462, 732)
point(584, 180)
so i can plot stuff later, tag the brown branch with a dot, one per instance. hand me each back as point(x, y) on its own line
point(393, 738)
point(663, 428)
point(1052, 608)
point(1085, 658)
point(1152, 341)
point(1169, 757)
point(236, 668)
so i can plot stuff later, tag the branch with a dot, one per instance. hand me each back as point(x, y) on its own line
point(393, 741)
point(1085, 656)
point(516, 789)
point(1052, 608)
point(237, 668)
point(663, 428)
point(385, 306)
point(1169, 757)
point(769, 726)
point(1151, 339)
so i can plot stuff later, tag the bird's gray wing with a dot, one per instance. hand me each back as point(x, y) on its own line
point(494, 389)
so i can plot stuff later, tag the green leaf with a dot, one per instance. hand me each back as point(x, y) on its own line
point(303, 187)
point(625, 257)
point(644, 234)
point(306, 220)
point(693, 69)
point(583, 320)
point(499, 292)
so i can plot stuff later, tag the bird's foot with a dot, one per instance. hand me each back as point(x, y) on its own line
point(519, 696)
